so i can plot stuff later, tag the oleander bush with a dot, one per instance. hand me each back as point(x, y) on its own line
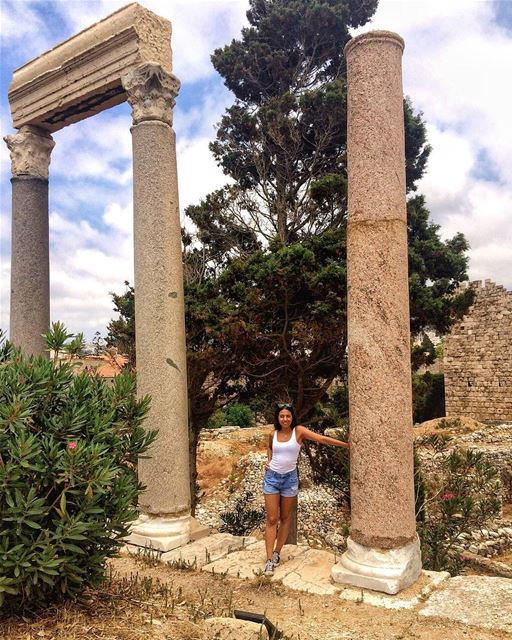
point(69, 445)
point(460, 497)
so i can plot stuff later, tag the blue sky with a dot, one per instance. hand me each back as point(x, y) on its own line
point(457, 65)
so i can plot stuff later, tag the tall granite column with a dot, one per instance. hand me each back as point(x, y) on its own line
point(30, 259)
point(159, 310)
point(383, 548)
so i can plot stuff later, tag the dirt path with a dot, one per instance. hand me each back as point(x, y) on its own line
point(160, 603)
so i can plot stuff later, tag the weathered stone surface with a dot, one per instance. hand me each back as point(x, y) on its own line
point(379, 374)
point(477, 357)
point(311, 572)
point(30, 264)
point(231, 629)
point(151, 92)
point(208, 549)
point(160, 319)
point(30, 151)
point(480, 601)
point(406, 599)
point(82, 75)
point(387, 570)
point(249, 563)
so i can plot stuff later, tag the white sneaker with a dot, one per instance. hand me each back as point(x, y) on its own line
point(276, 558)
point(269, 568)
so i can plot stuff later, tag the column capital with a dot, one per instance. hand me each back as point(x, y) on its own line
point(30, 151)
point(151, 93)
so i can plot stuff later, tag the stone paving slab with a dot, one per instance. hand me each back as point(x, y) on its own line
point(207, 550)
point(481, 601)
point(250, 562)
point(406, 599)
point(311, 572)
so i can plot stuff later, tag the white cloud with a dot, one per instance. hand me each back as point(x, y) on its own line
point(456, 66)
point(198, 27)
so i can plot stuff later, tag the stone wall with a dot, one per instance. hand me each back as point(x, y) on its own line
point(478, 357)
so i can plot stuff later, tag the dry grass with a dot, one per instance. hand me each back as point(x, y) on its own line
point(211, 472)
point(142, 601)
point(455, 426)
point(216, 459)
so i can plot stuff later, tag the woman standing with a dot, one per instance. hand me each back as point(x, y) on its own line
point(281, 482)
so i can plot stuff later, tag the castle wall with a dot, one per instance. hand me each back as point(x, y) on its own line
point(478, 357)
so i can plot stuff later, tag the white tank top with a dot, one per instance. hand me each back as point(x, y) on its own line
point(284, 454)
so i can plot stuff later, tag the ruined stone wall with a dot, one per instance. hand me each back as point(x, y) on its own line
point(478, 357)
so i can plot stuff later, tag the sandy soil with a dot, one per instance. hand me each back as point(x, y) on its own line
point(143, 601)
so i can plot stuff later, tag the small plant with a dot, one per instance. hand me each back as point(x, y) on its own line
point(69, 446)
point(148, 557)
point(243, 518)
point(183, 565)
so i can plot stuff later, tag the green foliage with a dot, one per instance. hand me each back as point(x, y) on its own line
point(217, 420)
point(121, 332)
point(436, 269)
point(428, 396)
point(56, 338)
point(75, 348)
point(462, 497)
point(236, 413)
point(69, 445)
point(243, 519)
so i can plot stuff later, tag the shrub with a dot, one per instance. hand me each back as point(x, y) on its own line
point(240, 414)
point(217, 420)
point(69, 446)
point(233, 414)
point(461, 497)
point(243, 518)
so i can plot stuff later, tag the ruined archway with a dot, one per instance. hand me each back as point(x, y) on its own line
point(126, 56)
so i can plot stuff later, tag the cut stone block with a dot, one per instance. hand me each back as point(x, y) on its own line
point(311, 572)
point(386, 570)
point(232, 629)
point(82, 75)
point(480, 601)
point(250, 562)
point(207, 550)
point(406, 599)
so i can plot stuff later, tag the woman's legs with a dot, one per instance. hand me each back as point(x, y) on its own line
point(272, 511)
point(286, 507)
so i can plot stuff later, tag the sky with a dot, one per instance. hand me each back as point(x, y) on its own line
point(457, 67)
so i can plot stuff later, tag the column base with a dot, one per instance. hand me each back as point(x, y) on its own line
point(385, 570)
point(160, 534)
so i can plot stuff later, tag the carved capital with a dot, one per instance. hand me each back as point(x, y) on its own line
point(30, 151)
point(151, 93)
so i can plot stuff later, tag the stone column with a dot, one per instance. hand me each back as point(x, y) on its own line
point(383, 548)
point(159, 310)
point(30, 259)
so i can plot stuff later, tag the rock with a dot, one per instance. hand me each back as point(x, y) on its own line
point(480, 601)
point(232, 629)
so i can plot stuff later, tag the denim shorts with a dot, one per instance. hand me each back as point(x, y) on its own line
point(286, 484)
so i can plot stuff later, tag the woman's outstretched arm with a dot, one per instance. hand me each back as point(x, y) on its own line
point(307, 434)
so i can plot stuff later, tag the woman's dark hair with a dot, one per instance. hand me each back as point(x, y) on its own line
point(279, 407)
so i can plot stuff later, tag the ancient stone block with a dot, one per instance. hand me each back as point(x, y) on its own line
point(82, 75)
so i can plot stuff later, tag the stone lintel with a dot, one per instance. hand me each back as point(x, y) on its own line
point(82, 76)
